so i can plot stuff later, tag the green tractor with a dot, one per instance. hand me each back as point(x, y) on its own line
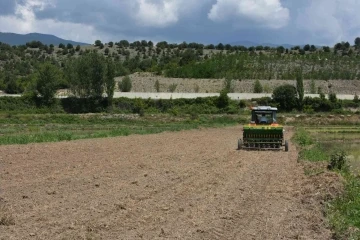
point(263, 131)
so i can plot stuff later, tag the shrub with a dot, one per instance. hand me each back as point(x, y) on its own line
point(223, 99)
point(125, 85)
point(172, 87)
point(157, 85)
point(257, 87)
point(303, 138)
point(338, 161)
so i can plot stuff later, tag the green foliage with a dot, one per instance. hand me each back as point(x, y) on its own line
point(356, 98)
point(332, 97)
point(258, 87)
point(343, 211)
point(300, 89)
point(223, 99)
point(47, 79)
point(338, 161)
point(157, 85)
point(126, 84)
point(228, 85)
point(172, 87)
point(286, 96)
point(110, 80)
point(312, 87)
point(87, 75)
point(98, 43)
point(315, 153)
point(302, 137)
point(35, 128)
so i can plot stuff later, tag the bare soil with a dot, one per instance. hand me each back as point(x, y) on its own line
point(184, 185)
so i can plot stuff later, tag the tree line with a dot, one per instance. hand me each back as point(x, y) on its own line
point(18, 64)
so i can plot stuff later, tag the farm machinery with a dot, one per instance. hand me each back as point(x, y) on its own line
point(263, 131)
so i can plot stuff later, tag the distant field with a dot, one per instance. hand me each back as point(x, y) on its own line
point(340, 137)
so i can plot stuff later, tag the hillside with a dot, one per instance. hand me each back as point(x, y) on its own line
point(171, 63)
point(22, 39)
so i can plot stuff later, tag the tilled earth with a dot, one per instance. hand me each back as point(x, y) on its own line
point(183, 185)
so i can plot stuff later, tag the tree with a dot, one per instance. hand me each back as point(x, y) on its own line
point(286, 96)
point(61, 45)
point(223, 100)
point(86, 75)
point(110, 80)
point(125, 85)
point(338, 46)
point(98, 43)
point(356, 98)
point(280, 49)
point(77, 48)
point(307, 47)
point(47, 79)
point(69, 46)
point(124, 43)
point(357, 42)
point(111, 44)
point(157, 85)
point(312, 87)
point(300, 89)
point(107, 51)
point(326, 49)
point(258, 87)
point(220, 46)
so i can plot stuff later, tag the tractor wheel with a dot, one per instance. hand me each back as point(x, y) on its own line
point(286, 146)
point(239, 144)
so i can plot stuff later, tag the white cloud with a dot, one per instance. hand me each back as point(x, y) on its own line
point(268, 13)
point(25, 21)
point(163, 13)
point(157, 14)
point(335, 20)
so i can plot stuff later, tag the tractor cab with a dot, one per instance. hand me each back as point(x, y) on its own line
point(263, 115)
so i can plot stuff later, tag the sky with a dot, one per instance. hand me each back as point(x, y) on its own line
point(319, 22)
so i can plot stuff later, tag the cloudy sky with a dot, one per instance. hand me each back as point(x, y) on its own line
point(322, 22)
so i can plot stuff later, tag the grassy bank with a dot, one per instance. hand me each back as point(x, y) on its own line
point(29, 128)
point(342, 212)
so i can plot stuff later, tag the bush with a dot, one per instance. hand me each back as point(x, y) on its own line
point(303, 138)
point(125, 85)
point(258, 87)
point(286, 96)
point(223, 99)
point(338, 161)
point(172, 87)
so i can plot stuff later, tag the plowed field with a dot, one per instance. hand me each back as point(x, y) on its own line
point(183, 185)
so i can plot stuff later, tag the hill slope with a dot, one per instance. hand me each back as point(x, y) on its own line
point(22, 39)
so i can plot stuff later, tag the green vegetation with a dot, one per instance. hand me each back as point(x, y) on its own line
point(23, 129)
point(210, 105)
point(342, 211)
point(191, 60)
point(88, 72)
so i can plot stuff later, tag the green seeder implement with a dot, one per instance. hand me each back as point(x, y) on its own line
point(263, 132)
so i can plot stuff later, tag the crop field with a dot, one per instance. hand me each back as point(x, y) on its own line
point(29, 128)
point(188, 184)
point(336, 137)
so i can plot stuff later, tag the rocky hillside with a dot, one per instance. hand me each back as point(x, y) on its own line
point(145, 82)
